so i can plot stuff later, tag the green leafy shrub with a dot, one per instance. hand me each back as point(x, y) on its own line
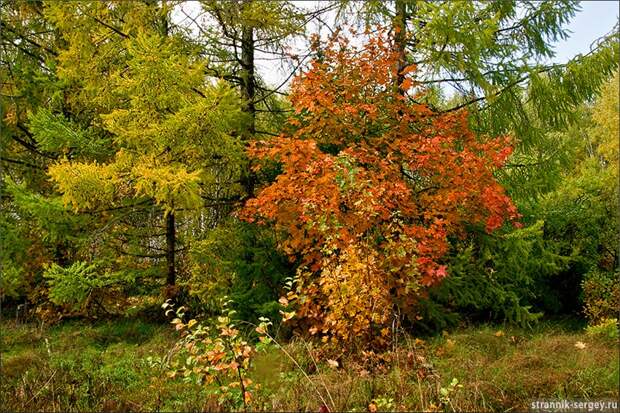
point(239, 261)
point(601, 295)
point(606, 329)
point(11, 282)
point(218, 357)
point(14, 247)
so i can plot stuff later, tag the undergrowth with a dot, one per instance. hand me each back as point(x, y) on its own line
point(75, 366)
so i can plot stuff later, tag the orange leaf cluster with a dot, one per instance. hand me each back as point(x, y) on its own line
point(372, 186)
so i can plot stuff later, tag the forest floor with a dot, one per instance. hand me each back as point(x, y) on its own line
point(104, 366)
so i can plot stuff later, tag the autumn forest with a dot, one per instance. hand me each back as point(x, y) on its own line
point(257, 205)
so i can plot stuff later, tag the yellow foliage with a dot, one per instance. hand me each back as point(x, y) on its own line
point(170, 185)
point(355, 293)
point(607, 122)
point(85, 185)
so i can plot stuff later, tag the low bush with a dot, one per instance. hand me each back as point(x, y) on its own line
point(601, 295)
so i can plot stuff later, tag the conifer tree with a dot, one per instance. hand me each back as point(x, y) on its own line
point(171, 130)
point(495, 56)
point(34, 225)
point(234, 34)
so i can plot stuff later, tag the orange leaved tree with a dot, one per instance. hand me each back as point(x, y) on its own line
point(372, 185)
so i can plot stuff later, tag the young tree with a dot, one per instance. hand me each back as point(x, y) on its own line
point(173, 138)
point(372, 187)
point(32, 215)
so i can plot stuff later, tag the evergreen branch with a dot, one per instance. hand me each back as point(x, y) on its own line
point(18, 162)
point(262, 132)
point(31, 146)
point(120, 251)
point(146, 202)
point(277, 89)
point(543, 69)
point(29, 53)
point(109, 26)
point(481, 98)
point(27, 39)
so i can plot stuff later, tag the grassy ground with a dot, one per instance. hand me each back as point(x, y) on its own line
point(79, 366)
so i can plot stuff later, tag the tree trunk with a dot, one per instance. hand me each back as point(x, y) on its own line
point(400, 42)
point(61, 253)
point(170, 248)
point(247, 65)
point(171, 237)
point(248, 89)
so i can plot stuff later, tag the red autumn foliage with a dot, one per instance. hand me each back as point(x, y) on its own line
point(372, 185)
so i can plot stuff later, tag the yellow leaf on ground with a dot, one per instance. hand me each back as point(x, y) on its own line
point(580, 345)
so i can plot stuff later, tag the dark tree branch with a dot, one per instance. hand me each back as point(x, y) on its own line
point(18, 162)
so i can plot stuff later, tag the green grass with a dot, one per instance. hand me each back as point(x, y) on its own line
point(77, 366)
point(497, 369)
point(80, 366)
point(506, 368)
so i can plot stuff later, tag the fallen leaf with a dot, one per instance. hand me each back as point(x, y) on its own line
point(580, 345)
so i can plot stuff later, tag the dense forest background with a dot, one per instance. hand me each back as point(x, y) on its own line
point(422, 166)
